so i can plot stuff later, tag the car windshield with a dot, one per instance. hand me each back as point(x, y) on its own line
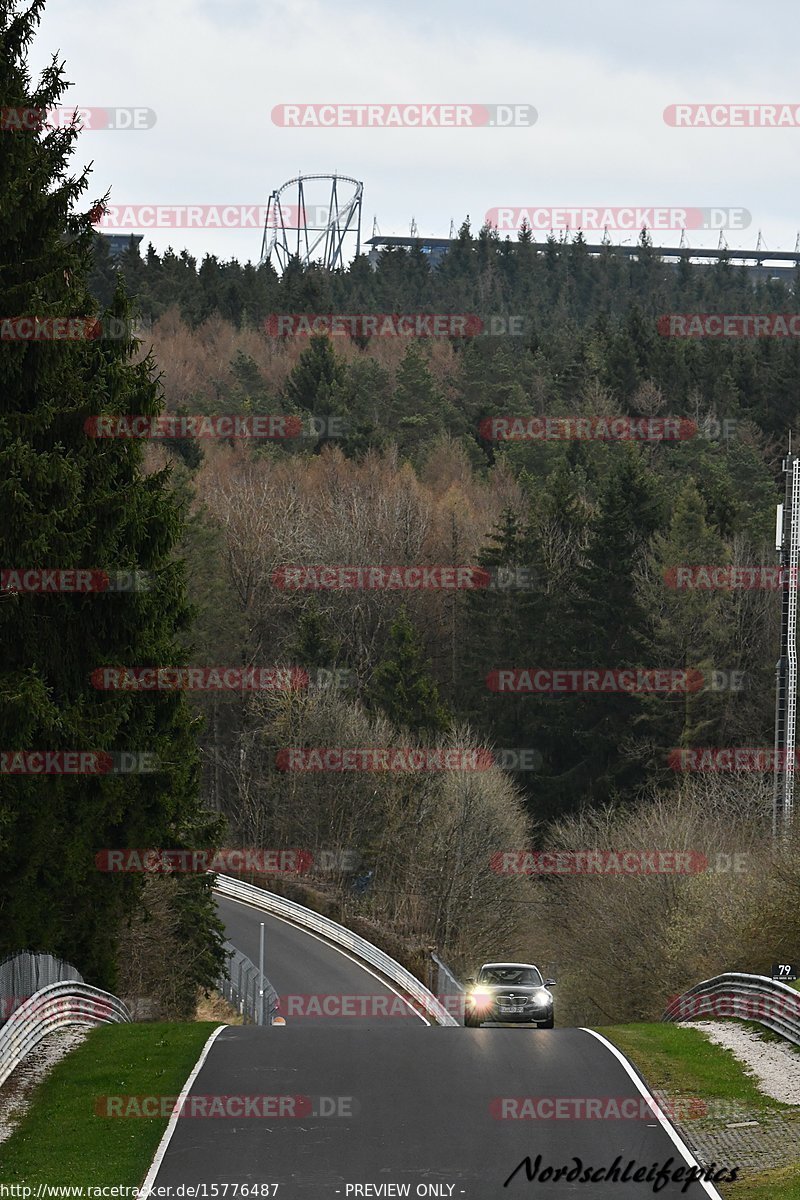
point(518, 976)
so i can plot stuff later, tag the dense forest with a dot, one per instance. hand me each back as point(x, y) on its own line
point(397, 634)
point(394, 462)
point(586, 530)
point(581, 538)
point(588, 321)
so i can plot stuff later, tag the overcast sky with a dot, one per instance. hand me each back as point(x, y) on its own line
point(599, 77)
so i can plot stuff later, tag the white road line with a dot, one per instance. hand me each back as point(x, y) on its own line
point(331, 946)
point(173, 1121)
point(666, 1125)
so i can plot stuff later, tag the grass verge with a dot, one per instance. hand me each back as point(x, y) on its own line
point(682, 1062)
point(62, 1140)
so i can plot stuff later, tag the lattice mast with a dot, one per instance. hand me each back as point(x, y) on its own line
point(787, 541)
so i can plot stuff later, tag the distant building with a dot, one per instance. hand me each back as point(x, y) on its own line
point(433, 248)
point(118, 243)
point(760, 265)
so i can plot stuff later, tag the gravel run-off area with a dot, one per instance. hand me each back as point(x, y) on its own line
point(16, 1091)
point(753, 1140)
point(775, 1065)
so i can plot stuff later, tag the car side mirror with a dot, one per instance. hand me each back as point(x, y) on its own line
point(548, 983)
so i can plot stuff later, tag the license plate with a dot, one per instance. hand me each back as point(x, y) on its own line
point(512, 1009)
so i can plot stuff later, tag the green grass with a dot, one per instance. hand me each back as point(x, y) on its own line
point(682, 1062)
point(783, 1182)
point(62, 1140)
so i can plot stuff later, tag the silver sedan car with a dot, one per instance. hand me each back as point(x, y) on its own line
point(513, 992)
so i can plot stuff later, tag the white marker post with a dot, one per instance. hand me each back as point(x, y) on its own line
point(788, 543)
point(261, 976)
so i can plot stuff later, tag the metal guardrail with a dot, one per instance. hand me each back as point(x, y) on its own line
point(239, 984)
point(26, 972)
point(296, 914)
point(54, 1007)
point(746, 997)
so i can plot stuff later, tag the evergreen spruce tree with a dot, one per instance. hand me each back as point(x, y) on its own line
point(419, 411)
point(609, 629)
point(509, 625)
point(402, 685)
point(693, 629)
point(314, 645)
point(498, 639)
point(73, 501)
point(318, 369)
point(319, 385)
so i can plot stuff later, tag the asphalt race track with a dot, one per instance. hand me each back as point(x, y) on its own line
point(300, 966)
point(362, 1103)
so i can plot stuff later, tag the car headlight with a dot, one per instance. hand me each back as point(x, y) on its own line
point(480, 997)
point(543, 996)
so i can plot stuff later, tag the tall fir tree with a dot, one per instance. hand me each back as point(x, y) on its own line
point(402, 685)
point(317, 371)
point(319, 385)
point(418, 411)
point(609, 629)
point(699, 630)
point(70, 500)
